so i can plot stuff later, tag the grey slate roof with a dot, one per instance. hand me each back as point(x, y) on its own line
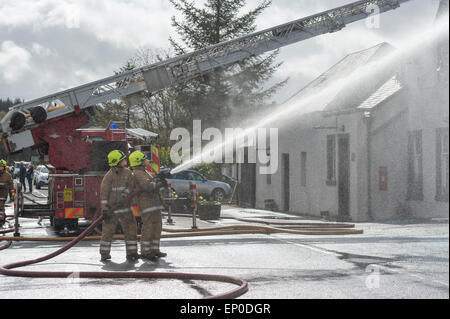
point(363, 95)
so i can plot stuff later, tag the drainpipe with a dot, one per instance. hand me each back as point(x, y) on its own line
point(368, 119)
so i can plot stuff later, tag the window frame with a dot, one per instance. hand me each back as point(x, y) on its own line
point(415, 165)
point(268, 176)
point(303, 175)
point(331, 158)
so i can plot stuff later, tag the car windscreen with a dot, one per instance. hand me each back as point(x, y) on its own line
point(181, 175)
point(192, 176)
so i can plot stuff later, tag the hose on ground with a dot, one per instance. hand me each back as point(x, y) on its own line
point(226, 230)
point(10, 229)
point(7, 271)
point(291, 228)
point(307, 224)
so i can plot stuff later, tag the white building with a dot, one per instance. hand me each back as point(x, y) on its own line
point(378, 149)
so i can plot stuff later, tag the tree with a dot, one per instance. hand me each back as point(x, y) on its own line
point(226, 93)
point(6, 104)
point(117, 110)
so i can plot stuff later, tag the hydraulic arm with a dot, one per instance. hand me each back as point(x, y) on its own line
point(167, 73)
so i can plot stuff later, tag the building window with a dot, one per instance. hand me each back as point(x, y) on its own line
point(415, 167)
point(442, 164)
point(331, 160)
point(269, 177)
point(303, 169)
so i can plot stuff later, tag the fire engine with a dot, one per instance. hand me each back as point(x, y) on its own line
point(57, 125)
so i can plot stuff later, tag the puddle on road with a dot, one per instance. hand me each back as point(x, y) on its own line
point(363, 261)
point(304, 275)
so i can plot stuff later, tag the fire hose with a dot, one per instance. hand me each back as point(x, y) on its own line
point(10, 229)
point(7, 271)
point(225, 230)
point(301, 228)
point(292, 228)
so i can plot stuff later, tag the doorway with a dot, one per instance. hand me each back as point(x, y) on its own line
point(344, 177)
point(285, 191)
point(247, 187)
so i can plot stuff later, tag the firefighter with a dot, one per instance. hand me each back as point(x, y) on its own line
point(115, 188)
point(6, 186)
point(147, 188)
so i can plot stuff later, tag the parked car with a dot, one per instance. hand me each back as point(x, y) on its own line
point(219, 191)
point(17, 168)
point(40, 176)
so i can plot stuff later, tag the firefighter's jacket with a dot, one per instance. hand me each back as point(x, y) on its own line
point(148, 198)
point(114, 190)
point(6, 185)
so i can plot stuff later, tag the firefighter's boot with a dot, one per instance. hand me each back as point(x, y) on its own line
point(160, 254)
point(105, 257)
point(150, 256)
point(133, 257)
point(2, 218)
point(105, 250)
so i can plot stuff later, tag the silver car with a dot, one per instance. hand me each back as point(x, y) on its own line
point(40, 176)
point(219, 191)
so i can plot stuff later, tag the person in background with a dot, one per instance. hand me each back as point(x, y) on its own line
point(11, 194)
point(30, 172)
point(22, 175)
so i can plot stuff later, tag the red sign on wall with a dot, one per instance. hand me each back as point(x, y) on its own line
point(383, 179)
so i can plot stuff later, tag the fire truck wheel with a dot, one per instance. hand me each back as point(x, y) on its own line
point(17, 121)
point(58, 224)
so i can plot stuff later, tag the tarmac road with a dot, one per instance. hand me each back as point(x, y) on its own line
point(390, 260)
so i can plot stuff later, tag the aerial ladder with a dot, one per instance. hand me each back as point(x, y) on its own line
point(53, 124)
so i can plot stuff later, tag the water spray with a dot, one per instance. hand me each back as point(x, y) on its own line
point(316, 101)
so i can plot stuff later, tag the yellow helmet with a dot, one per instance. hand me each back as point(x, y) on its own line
point(3, 163)
point(115, 157)
point(137, 158)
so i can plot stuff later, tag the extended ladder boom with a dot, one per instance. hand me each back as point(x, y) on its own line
point(167, 73)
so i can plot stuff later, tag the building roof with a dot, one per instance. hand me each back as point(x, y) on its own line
point(363, 95)
point(389, 88)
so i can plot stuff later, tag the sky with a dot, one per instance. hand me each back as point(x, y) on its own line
point(50, 45)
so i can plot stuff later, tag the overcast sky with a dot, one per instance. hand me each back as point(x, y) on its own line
point(50, 45)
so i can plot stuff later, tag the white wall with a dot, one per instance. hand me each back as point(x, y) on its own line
point(389, 148)
point(423, 104)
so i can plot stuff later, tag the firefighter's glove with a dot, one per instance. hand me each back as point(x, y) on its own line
point(160, 182)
